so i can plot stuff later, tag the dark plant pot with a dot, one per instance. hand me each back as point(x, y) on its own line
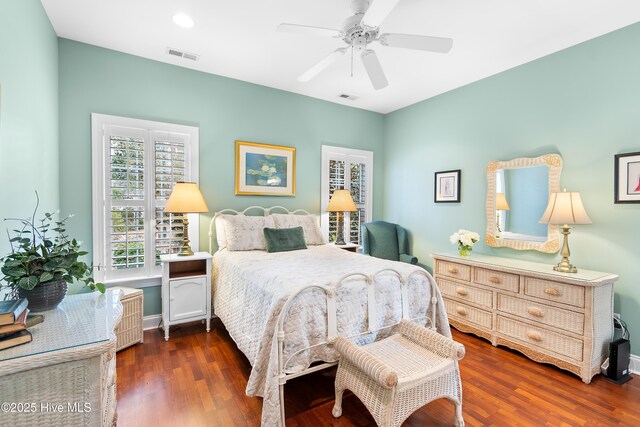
point(45, 296)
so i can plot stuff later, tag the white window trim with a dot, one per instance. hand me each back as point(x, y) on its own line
point(347, 154)
point(152, 276)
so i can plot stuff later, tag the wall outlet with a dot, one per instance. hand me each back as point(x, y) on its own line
point(616, 316)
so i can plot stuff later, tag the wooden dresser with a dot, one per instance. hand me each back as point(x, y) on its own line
point(559, 318)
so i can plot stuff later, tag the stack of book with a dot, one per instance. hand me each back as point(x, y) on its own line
point(14, 321)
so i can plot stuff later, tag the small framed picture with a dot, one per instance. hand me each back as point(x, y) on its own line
point(627, 178)
point(265, 170)
point(447, 187)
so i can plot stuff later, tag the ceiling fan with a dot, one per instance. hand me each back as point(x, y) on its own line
point(359, 31)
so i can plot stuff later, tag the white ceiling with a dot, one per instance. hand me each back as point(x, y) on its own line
point(237, 39)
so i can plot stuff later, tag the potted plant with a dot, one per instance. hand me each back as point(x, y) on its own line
point(43, 260)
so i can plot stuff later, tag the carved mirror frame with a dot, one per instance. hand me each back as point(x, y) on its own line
point(554, 163)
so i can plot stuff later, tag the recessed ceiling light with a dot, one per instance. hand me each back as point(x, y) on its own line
point(183, 20)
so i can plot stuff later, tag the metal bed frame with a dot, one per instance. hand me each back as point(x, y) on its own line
point(330, 290)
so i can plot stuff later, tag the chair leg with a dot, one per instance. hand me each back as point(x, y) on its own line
point(459, 419)
point(337, 407)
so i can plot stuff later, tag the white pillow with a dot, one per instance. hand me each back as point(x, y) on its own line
point(245, 233)
point(309, 223)
point(221, 238)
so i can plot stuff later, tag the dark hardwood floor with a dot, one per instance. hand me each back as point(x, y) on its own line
point(199, 379)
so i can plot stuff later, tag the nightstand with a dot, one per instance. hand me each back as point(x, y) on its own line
point(351, 247)
point(186, 290)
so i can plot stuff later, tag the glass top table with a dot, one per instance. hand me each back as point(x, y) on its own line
point(79, 320)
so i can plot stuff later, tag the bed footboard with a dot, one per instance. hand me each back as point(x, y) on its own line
point(330, 291)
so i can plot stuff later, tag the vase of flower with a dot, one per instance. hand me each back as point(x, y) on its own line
point(465, 250)
point(465, 240)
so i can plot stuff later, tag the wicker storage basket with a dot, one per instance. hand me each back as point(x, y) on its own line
point(129, 331)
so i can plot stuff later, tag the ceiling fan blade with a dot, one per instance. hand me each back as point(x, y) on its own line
point(320, 66)
point(409, 41)
point(308, 31)
point(374, 69)
point(377, 12)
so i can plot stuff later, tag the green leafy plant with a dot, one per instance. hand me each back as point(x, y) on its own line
point(42, 252)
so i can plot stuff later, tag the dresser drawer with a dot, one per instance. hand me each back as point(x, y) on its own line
point(465, 292)
point(452, 269)
point(554, 291)
point(505, 281)
point(540, 338)
point(552, 316)
point(471, 315)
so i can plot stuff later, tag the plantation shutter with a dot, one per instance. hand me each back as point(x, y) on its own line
point(351, 170)
point(138, 170)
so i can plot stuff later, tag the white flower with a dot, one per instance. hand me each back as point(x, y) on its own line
point(265, 168)
point(272, 170)
point(464, 237)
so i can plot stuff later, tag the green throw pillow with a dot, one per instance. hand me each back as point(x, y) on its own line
point(284, 239)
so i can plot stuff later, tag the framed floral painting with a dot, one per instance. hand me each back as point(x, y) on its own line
point(447, 187)
point(627, 178)
point(266, 170)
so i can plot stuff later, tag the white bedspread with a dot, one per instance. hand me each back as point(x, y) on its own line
point(251, 287)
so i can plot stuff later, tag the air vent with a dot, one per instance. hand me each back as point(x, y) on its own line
point(347, 96)
point(181, 54)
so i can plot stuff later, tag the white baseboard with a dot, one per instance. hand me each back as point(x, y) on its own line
point(151, 322)
point(634, 366)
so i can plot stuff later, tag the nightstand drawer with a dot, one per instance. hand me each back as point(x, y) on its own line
point(452, 269)
point(540, 338)
point(554, 291)
point(472, 315)
point(467, 293)
point(552, 316)
point(496, 279)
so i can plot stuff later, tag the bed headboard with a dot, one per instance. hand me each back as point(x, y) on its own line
point(251, 210)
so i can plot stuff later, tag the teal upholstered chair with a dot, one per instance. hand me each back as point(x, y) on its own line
point(383, 239)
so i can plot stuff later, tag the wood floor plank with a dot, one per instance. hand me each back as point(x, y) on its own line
point(199, 379)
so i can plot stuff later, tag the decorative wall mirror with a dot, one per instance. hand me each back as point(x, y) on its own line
point(517, 196)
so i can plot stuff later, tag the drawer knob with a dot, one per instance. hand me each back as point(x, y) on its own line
point(535, 336)
point(552, 291)
point(461, 311)
point(453, 270)
point(535, 311)
point(495, 280)
point(462, 292)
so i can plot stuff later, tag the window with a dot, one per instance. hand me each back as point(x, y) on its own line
point(135, 165)
point(352, 170)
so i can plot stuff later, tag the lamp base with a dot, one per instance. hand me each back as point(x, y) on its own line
point(185, 251)
point(185, 248)
point(563, 267)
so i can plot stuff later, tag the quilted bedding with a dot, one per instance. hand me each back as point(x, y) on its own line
point(251, 287)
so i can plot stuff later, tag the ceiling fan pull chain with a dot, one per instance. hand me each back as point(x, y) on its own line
point(351, 61)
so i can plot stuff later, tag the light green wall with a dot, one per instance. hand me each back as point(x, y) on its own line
point(98, 80)
point(581, 102)
point(28, 112)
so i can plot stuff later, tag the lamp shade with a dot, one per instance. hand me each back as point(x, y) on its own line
point(186, 198)
point(501, 202)
point(565, 208)
point(341, 201)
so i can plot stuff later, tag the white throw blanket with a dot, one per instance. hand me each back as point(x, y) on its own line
point(251, 287)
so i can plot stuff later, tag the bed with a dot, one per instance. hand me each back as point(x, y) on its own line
point(283, 309)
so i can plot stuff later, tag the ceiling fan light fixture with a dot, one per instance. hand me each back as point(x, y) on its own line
point(183, 20)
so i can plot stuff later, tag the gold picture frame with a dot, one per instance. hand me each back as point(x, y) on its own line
point(265, 170)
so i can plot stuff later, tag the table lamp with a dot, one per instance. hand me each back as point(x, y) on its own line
point(341, 202)
point(501, 205)
point(186, 198)
point(565, 209)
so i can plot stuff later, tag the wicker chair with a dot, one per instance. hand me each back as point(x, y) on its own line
point(395, 376)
